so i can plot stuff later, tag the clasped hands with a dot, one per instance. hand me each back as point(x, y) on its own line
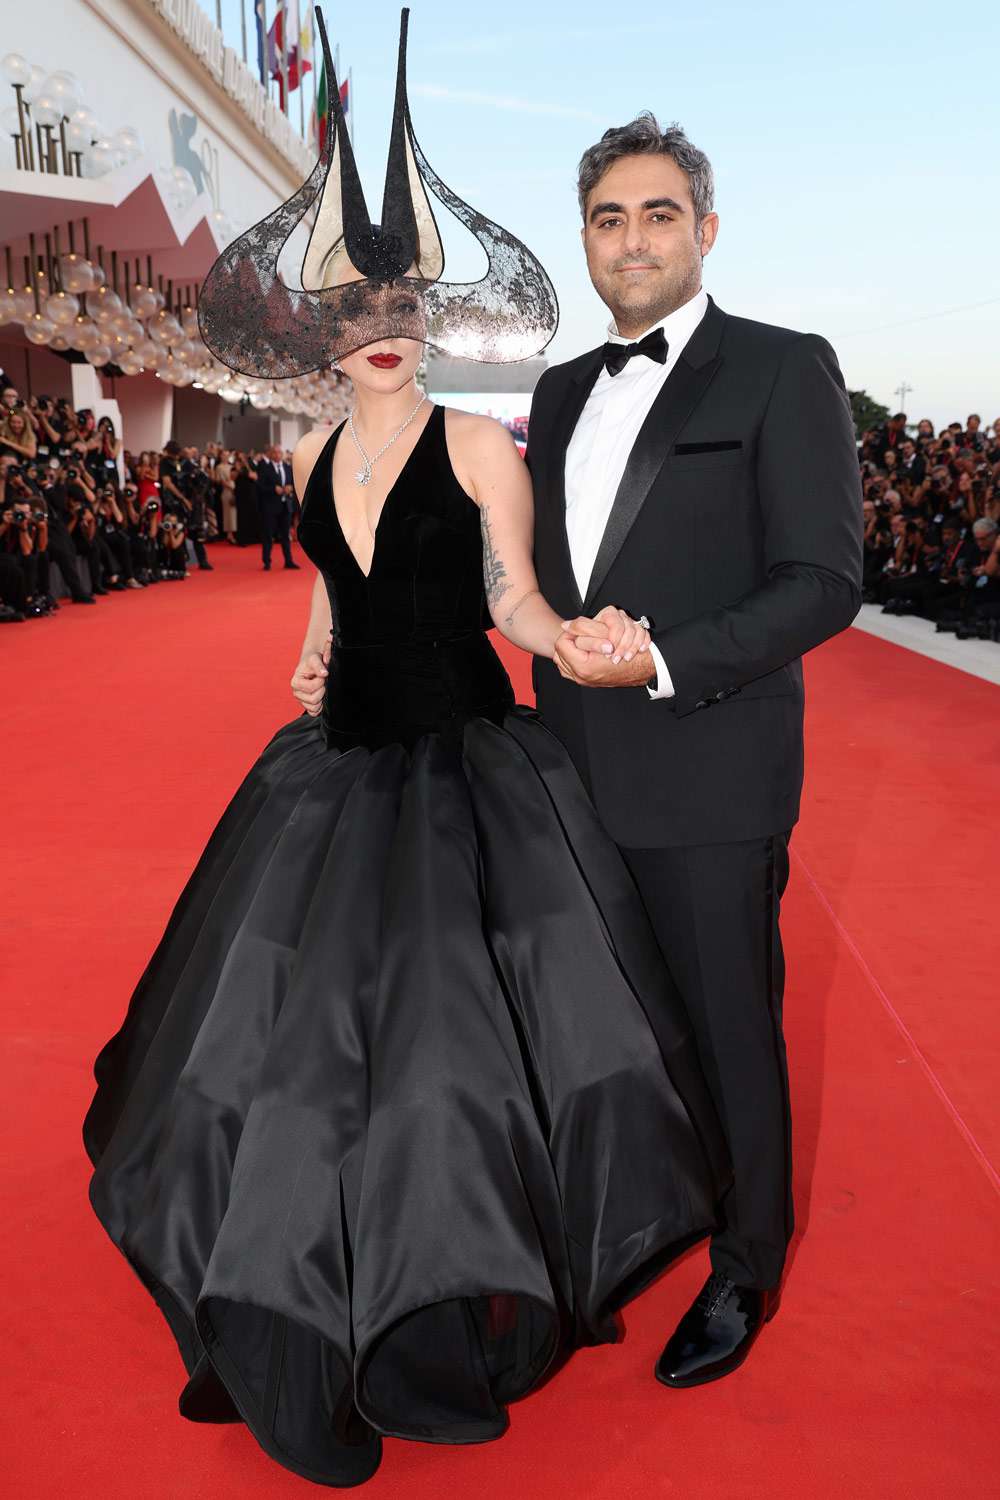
point(611, 650)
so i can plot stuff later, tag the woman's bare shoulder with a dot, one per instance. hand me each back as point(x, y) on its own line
point(314, 439)
point(473, 422)
point(308, 449)
point(484, 454)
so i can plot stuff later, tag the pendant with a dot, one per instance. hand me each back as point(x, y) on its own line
point(363, 476)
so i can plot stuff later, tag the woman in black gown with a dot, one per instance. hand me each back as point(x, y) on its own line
point(404, 1103)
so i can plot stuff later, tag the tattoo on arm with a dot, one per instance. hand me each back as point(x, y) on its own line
point(494, 572)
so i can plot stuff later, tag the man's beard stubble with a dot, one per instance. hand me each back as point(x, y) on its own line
point(648, 305)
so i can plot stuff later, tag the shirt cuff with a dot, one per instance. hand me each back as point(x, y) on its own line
point(664, 687)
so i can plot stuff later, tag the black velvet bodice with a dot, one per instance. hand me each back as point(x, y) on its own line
point(409, 650)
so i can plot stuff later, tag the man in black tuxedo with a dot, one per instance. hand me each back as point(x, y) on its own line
point(276, 499)
point(700, 470)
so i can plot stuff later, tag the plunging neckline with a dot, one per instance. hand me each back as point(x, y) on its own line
point(389, 494)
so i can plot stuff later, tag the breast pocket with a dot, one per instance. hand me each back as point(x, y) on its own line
point(697, 456)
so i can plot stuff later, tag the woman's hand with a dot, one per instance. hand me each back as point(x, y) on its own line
point(309, 680)
point(616, 634)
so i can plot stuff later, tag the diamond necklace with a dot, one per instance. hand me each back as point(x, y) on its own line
point(364, 475)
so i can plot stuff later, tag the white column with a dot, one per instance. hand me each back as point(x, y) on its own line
point(147, 407)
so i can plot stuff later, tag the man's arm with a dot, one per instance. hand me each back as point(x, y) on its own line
point(810, 501)
point(533, 423)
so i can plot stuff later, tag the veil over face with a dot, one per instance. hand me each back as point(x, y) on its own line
point(259, 326)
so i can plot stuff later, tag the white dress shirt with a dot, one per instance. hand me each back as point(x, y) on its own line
point(603, 439)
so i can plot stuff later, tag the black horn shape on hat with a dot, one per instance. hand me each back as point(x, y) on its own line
point(363, 282)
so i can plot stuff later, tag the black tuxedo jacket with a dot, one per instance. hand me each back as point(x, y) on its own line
point(268, 481)
point(737, 530)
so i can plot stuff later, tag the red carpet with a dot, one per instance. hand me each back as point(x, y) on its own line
point(129, 726)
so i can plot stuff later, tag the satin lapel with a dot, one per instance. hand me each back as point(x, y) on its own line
point(573, 402)
point(682, 390)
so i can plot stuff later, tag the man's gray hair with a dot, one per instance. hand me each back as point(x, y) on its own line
point(641, 137)
point(985, 526)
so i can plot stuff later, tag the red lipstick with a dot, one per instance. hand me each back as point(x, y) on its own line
point(385, 361)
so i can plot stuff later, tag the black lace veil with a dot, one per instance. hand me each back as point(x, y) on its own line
point(258, 326)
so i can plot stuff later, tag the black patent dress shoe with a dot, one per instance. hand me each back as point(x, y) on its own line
point(294, 566)
point(716, 1333)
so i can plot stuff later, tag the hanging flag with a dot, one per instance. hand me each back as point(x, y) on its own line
point(275, 40)
point(321, 111)
point(305, 41)
point(345, 98)
point(261, 19)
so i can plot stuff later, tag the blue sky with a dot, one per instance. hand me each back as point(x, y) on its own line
point(855, 147)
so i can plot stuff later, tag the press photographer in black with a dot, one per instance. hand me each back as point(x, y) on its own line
point(141, 545)
point(197, 486)
point(23, 538)
point(174, 506)
point(114, 542)
point(81, 522)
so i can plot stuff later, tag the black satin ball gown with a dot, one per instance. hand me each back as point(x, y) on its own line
point(404, 1103)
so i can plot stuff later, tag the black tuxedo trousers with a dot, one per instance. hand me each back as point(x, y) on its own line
point(737, 531)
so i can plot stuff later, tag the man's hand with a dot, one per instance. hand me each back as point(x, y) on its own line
point(597, 669)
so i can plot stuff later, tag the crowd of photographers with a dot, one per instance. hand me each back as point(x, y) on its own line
point(63, 502)
point(932, 523)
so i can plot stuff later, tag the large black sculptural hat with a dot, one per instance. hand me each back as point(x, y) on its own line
point(257, 325)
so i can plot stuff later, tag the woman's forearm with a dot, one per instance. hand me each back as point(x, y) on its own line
point(529, 621)
point(320, 619)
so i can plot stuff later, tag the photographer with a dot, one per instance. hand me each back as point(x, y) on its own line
point(878, 549)
point(13, 592)
point(946, 601)
point(23, 533)
point(143, 550)
point(48, 428)
point(89, 445)
point(64, 421)
point(59, 546)
point(917, 569)
point(17, 436)
point(973, 438)
point(983, 602)
point(113, 539)
point(889, 438)
point(104, 455)
point(196, 485)
point(912, 465)
point(82, 523)
point(175, 507)
point(162, 523)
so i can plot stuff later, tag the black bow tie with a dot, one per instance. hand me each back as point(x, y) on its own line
point(617, 356)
